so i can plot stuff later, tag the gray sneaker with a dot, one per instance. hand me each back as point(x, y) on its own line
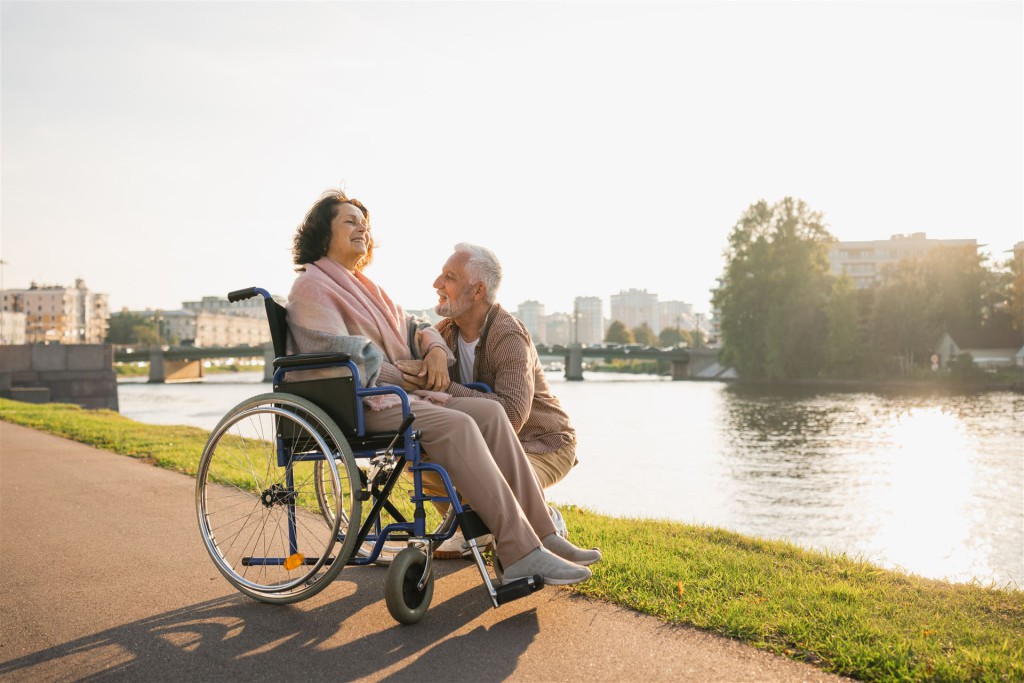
point(554, 570)
point(567, 551)
point(560, 528)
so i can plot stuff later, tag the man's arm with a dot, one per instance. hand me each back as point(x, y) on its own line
point(511, 362)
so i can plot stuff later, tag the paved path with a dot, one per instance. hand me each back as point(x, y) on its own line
point(104, 576)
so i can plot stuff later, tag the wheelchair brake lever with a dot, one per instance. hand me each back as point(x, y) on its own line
point(385, 458)
point(406, 423)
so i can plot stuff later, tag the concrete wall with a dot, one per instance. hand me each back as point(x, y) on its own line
point(57, 373)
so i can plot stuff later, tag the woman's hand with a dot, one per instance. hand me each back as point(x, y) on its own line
point(431, 373)
point(435, 370)
point(414, 375)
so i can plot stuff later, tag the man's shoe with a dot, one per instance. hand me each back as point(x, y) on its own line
point(554, 570)
point(567, 551)
point(450, 549)
point(560, 528)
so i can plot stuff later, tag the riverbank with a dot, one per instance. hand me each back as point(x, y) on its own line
point(840, 614)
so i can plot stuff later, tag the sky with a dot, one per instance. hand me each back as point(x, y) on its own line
point(166, 151)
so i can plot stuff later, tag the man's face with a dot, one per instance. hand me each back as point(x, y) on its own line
point(454, 291)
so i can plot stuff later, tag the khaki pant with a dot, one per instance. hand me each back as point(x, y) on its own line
point(474, 441)
point(552, 467)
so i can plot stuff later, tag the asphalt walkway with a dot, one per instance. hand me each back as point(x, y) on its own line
point(105, 577)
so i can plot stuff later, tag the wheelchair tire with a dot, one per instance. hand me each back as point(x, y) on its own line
point(406, 603)
point(260, 514)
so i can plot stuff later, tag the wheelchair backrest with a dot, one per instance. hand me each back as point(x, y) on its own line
point(278, 319)
point(335, 395)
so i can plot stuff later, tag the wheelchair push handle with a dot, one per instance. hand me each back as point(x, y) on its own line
point(247, 293)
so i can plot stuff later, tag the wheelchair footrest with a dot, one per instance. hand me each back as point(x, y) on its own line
point(520, 588)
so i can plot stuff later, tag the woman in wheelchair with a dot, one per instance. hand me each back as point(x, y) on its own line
point(333, 306)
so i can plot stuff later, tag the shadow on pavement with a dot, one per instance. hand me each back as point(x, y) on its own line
point(344, 637)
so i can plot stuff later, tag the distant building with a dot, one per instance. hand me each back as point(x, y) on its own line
point(673, 314)
point(557, 329)
point(214, 321)
point(589, 313)
point(532, 314)
point(864, 262)
point(633, 307)
point(53, 313)
point(206, 329)
point(988, 349)
point(249, 308)
point(12, 328)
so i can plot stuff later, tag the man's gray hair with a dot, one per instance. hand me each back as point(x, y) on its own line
point(482, 266)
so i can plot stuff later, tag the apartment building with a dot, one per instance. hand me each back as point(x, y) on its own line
point(248, 308)
point(558, 329)
point(634, 307)
point(589, 314)
point(54, 313)
point(532, 314)
point(864, 262)
point(674, 314)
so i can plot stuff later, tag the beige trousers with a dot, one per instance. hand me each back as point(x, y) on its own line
point(474, 441)
point(552, 467)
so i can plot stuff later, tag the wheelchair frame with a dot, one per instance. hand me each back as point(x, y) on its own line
point(305, 545)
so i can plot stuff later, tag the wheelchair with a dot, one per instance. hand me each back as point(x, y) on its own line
point(291, 488)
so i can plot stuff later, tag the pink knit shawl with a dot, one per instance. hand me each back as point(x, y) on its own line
point(330, 298)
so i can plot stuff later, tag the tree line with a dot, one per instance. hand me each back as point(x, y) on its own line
point(784, 315)
point(618, 333)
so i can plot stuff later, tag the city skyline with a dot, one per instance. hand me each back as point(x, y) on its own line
point(162, 149)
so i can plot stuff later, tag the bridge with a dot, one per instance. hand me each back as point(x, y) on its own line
point(185, 363)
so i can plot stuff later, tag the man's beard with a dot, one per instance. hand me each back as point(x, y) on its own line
point(455, 307)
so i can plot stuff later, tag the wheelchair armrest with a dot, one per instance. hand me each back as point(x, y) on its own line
point(303, 359)
point(479, 386)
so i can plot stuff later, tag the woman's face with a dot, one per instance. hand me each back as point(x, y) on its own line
point(350, 236)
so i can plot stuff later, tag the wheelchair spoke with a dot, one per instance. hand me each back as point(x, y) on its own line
point(263, 519)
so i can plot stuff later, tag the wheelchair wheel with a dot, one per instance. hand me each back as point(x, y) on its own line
point(259, 507)
point(406, 603)
point(437, 522)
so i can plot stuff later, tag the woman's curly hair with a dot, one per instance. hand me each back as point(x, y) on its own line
point(313, 237)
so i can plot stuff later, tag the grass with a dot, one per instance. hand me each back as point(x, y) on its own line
point(840, 614)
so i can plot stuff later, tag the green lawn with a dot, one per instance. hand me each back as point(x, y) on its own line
point(840, 614)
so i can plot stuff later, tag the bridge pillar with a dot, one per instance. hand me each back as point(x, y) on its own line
point(183, 370)
point(156, 366)
point(680, 370)
point(574, 363)
point(268, 362)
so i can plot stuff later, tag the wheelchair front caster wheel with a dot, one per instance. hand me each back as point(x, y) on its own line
point(406, 603)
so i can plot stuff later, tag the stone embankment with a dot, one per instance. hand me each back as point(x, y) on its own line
point(40, 373)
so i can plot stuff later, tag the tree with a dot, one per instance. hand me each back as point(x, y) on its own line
point(844, 348)
point(673, 336)
point(644, 335)
point(774, 290)
point(131, 328)
point(618, 333)
point(947, 289)
point(902, 324)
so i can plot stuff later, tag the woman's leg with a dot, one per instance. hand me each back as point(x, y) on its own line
point(508, 454)
point(455, 442)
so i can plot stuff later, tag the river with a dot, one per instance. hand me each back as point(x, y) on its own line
point(929, 482)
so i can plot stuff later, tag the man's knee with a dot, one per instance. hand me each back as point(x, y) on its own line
point(552, 467)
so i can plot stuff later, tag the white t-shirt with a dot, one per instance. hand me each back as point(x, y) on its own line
point(467, 357)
